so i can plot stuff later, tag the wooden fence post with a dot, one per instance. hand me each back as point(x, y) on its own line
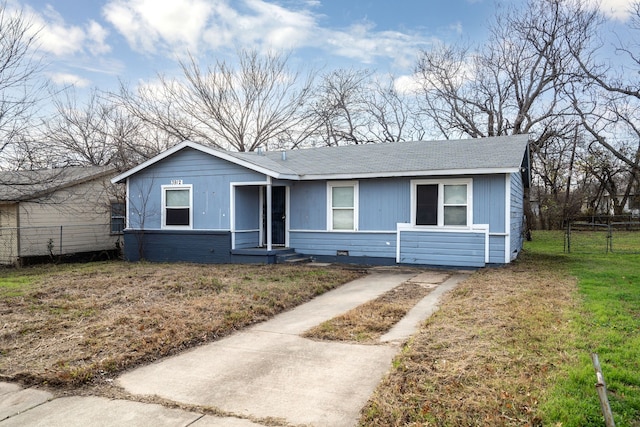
point(601, 388)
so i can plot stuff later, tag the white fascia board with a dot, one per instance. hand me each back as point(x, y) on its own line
point(454, 172)
point(207, 150)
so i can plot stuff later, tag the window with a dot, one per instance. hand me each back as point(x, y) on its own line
point(117, 217)
point(343, 206)
point(442, 204)
point(176, 202)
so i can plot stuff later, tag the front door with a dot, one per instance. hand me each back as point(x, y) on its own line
point(278, 215)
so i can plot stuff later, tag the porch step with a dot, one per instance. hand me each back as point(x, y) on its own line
point(291, 257)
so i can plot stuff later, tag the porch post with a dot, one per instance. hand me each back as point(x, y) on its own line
point(269, 214)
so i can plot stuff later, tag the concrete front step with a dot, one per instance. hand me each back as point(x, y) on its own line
point(292, 257)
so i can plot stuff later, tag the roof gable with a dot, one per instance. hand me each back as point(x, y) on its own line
point(465, 156)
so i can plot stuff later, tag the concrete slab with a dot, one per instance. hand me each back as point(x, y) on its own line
point(19, 400)
point(209, 421)
point(100, 412)
point(430, 277)
point(333, 303)
point(410, 323)
point(264, 374)
point(6, 388)
point(269, 371)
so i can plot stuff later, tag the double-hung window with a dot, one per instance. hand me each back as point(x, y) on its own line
point(177, 208)
point(118, 212)
point(342, 199)
point(441, 203)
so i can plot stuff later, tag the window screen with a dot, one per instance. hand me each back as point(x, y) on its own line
point(427, 204)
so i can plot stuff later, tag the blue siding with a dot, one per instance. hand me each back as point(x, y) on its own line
point(517, 212)
point(308, 207)
point(210, 177)
point(247, 208)
point(359, 244)
point(210, 247)
point(496, 249)
point(384, 203)
point(249, 239)
point(446, 249)
point(489, 202)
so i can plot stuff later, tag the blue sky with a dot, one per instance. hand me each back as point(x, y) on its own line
point(91, 43)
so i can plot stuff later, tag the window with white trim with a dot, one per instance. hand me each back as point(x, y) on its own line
point(177, 206)
point(342, 198)
point(441, 203)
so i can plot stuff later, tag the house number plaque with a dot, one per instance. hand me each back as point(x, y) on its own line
point(176, 182)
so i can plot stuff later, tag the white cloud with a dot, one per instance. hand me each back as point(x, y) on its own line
point(54, 35)
point(408, 84)
point(154, 25)
point(614, 9)
point(96, 36)
point(362, 42)
point(261, 25)
point(60, 39)
point(67, 79)
point(174, 26)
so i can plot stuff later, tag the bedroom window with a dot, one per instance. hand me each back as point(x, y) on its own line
point(176, 206)
point(343, 206)
point(441, 204)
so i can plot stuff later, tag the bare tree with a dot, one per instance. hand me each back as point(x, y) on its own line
point(78, 133)
point(515, 83)
point(393, 115)
point(19, 86)
point(510, 85)
point(341, 107)
point(96, 132)
point(606, 101)
point(242, 107)
point(357, 107)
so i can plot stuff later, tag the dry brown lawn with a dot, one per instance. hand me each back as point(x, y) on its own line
point(69, 325)
point(366, 323)
point(486, 357)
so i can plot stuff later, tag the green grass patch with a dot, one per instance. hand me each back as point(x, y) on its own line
point(13, 286)
point(607, 322)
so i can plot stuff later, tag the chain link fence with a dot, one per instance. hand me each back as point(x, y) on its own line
point(593, 237)
point(22, 243)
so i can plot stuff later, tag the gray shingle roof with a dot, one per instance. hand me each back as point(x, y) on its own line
point(24, 185)
point(402, 158)
point(419, 158)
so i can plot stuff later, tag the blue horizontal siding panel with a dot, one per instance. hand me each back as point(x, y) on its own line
point(209, 247)
point(445, 249)
point(210, 177)
point(489, 202)
point(496, 249)
point(308, 205)
point(359, 244)
point(247, 208)
point(517, 212)
point(384, 203)
point(247, 239)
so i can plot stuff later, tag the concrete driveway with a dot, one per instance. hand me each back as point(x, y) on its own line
point(266, 374)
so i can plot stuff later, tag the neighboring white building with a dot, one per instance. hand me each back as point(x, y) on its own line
point(56, 212)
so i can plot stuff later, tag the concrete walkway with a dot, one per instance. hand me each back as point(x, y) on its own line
point(263, 374)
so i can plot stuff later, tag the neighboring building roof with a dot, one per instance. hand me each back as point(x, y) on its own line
point(17, 186)
point(449, 157)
